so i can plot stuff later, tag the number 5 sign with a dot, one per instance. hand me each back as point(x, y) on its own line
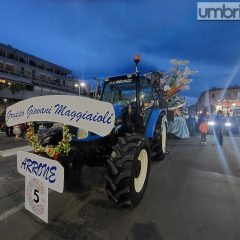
point(36, 197)
point(40, 174)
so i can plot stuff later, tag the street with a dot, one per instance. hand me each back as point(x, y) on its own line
point(193, 194)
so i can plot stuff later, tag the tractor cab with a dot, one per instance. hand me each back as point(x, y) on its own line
point(124, 89)
point(130, 95)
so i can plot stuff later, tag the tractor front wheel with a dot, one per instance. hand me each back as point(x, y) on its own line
point(128, 170)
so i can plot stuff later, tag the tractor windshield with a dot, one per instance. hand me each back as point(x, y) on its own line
point(125, 90)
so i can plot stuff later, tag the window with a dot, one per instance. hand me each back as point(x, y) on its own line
point(56, 80)
point(63, 74)
point(22, 70)
point(29, 87)
point(2, 53)
point(33, 73)
point(5, 82)
point(49, 69)
point(22, 60)
point(41, 66)
point(43, 77)
point(238, 95)
point(9, 67)
point(32, 63)
point(213, 95)
point(57, 71)
point(11, 56)
point(1, 65)
point(226, 95)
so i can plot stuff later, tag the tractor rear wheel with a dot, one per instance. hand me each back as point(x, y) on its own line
point(128, 170)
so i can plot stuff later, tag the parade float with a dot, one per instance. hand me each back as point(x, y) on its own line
point(173, 83)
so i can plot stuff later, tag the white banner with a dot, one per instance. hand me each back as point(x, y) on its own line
point(81, 112)
point(36, 197)
point(43, 168)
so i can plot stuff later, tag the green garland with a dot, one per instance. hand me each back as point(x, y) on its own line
point(52, 151)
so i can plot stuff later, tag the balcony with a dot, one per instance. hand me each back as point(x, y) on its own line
point(17, 77)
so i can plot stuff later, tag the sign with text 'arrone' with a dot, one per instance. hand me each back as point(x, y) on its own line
point(49, 171)
point(82, 112)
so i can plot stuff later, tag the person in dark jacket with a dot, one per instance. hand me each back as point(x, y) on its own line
point(191, 124)
point(219, 126)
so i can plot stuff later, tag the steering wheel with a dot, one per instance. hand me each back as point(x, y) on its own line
point(124, 101)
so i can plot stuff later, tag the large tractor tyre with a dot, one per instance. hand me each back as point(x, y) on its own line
point(128, 170)
point(159, 141)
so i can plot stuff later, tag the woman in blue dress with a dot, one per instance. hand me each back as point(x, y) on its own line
point(179, 126)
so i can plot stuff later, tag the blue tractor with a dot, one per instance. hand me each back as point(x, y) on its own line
point(139, 136)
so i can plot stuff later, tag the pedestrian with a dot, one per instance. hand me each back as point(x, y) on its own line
point(17, 131)
point(191, 124)
point(219, 126)
point(202, 117)
point(36, 127)
point(7, 129)
point(196, 123)
point(11, 131)
point(203, 128)
point(23, 130)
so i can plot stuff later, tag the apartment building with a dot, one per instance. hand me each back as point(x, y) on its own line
point(23, 75)
point(226, 99)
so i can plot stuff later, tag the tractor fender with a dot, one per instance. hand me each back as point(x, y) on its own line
point(152, 120)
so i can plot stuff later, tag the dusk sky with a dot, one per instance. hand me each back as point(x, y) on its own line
point(100, 37)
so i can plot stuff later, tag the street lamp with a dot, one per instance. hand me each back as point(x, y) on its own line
point(97, 86)
point(79, 85)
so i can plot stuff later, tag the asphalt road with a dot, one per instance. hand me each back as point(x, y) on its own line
point(193, 194)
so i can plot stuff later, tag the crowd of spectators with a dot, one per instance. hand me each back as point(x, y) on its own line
point(183, 118)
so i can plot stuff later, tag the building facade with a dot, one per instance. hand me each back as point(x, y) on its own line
point(23, 76)
point(227, 100)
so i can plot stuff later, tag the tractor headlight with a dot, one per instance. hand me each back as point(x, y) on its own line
point(82, 133)
point(228, 124)
point(211, 123)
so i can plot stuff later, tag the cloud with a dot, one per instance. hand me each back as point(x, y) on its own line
point(100, 38)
